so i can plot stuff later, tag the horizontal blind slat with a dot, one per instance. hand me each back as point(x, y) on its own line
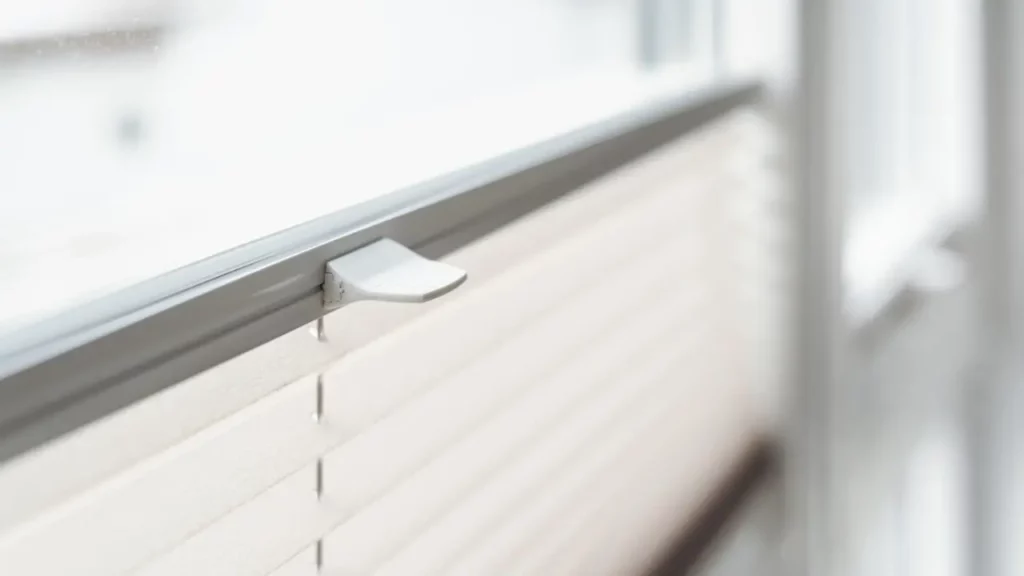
point(256, 537)
point(156, 504)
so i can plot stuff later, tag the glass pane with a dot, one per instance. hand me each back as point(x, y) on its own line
point(138, 137)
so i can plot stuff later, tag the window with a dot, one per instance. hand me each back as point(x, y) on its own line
point(178, 173)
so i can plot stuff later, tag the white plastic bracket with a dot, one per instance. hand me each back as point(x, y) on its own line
point(386, 271)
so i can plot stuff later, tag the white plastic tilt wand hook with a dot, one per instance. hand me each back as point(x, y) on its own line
point(386, 271)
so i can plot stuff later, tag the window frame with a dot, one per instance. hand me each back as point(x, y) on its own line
point(838, 300)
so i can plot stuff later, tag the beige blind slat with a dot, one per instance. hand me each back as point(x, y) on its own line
point(255, 538)
point(156, 504)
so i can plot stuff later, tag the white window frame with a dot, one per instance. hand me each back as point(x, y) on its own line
point(851, 271)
